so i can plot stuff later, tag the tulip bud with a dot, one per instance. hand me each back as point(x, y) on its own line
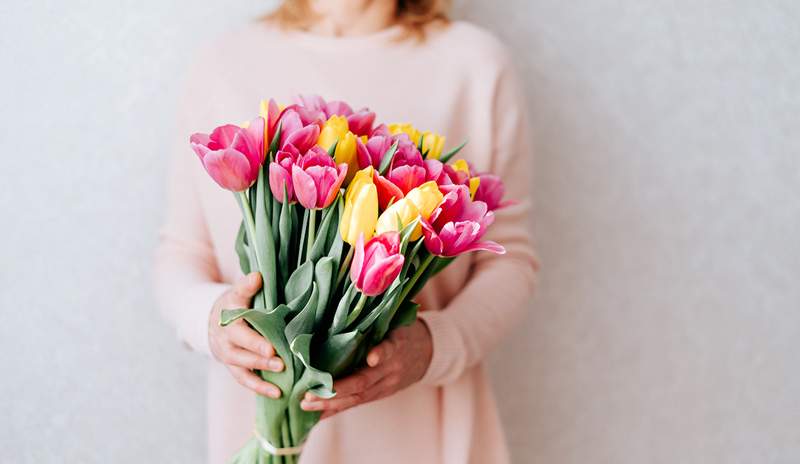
point(346, 153)
point(360, 208)
point(397, 216)
point(333, 130)
point(405, 128)
point(433, 144)
point(376, 265)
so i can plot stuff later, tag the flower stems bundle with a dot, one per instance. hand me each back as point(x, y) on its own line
point(346, 222)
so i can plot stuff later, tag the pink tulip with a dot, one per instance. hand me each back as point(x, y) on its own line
point(280, 173)
point(457, 225)
point(317, 179)
point(371, 153)
point(299, 129)
point(232, 155)
point(377, 265)
point(491, 191)
point(361, 122)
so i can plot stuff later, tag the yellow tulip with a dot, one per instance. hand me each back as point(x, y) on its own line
point(419, 202)
point(432, 143)
point(398, 215)
point(426, 198)
point(360, 208)
point(346, 153)
point(334, 129)
point(405, 128)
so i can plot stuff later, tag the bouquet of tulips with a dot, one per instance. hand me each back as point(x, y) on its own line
point(346, 221)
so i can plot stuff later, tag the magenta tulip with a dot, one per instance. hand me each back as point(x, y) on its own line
point(317, 179)
point(299, 130)
point(371, 153)
point(457, 225)
point(376, 265)
point(280, 173)
point(232, 155)
point(360, 122)
point(491, 191)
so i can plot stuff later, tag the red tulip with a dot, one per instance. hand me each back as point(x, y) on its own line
point(376, 265)
point(232, 155)
point(317, 179)
point(457, 225)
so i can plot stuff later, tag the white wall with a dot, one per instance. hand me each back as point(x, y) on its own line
point(667, 327)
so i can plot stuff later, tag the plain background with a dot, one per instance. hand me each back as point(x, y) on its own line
point(667, 325)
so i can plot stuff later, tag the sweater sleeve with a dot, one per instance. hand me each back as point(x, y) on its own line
point(187, 277)
point(501, 286)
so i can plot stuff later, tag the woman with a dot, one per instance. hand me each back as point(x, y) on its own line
point(424, 396)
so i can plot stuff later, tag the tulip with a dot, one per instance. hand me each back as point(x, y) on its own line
point(280, 173)
point(405, 128)
point(271, 113)
point(232, 155)
point(458, 173)
point(419, 202)
point(361, 122)
point(432, 145)
point(317, 179)
point(407, 169)
point(491, 191)
point(334, 129)
point(376, 265)
point(360, 208)
point(346, 153)
point(298, 131)
point(371, 153)
point(457, 225)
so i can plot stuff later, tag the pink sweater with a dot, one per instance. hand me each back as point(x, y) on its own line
point(460, 83)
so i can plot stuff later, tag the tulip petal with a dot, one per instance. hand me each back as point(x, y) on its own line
point(357, 264)
point(229, 168)
point(381, 274)
point(280, 178)
point(304, 138)
point(304, 187)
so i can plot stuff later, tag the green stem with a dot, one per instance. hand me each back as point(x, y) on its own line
point(344, 266)
point(312, 231)
point(362, 300)
point(250, 229)
point(428, 260)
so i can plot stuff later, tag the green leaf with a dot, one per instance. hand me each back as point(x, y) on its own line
point(285, 229)
point(405, 315)
point(276, 140)
point(319, 248)
point(300, 281)
point(338, 353)
point(332, 149)
point(271, 325)
point(419, 145)
point(324, 273)
point(411, 258)
point(242, 250)
point(343, 309)
point(386, 161)
point(446, 157)
point(319, 382)
point(265, 246)
point(383, 313)
point(334, 237)
point(303, 322)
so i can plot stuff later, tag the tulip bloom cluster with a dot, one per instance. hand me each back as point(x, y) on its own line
point(346, 220)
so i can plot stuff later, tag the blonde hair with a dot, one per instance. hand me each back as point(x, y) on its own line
point(412, 15)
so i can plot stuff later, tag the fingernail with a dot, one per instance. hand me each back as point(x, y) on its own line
point(310, 405)
point(275, 364)
point(274, 392)
point(373, 360)
point(310, 397)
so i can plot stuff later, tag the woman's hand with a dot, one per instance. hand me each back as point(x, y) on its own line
point(398, 362)
point(238, 346)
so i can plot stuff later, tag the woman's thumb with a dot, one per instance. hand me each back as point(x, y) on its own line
point(245, 288)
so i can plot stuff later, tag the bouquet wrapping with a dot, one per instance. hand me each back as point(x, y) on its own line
point(346, 221)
